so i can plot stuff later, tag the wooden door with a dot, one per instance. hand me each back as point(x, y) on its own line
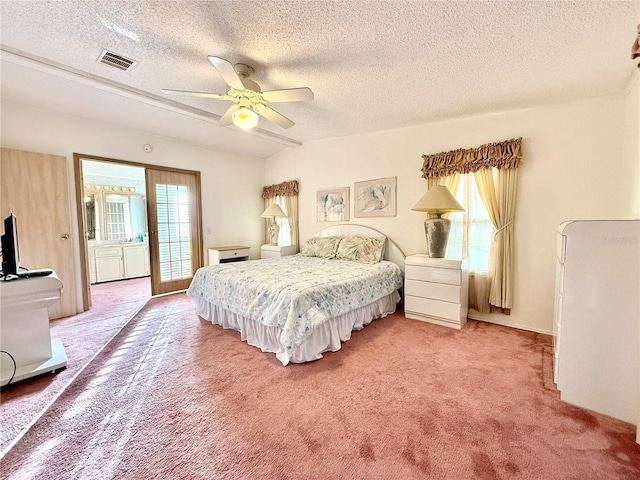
point(175, 228)
point(34, 186)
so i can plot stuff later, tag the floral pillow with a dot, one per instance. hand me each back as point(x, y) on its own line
point(361, 249)
point(320, 247)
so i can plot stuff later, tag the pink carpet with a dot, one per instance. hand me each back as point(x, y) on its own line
point(82, 335)
point(173, 396)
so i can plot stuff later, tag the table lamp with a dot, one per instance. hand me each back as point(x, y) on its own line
point(435, 202)
point(271, 213)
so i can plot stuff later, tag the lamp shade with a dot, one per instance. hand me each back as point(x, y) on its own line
point(273, 210)
point(244, 118)
point(438, 199)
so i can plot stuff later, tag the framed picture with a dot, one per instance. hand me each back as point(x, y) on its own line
point(333, 205)
point(375, 198)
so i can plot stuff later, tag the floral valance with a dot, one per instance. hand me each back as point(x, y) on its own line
point(507, 154)
point(284, 189)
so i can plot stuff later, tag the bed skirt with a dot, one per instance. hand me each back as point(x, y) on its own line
point(324, 338)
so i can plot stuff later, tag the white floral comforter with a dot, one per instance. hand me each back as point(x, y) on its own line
point(295, 293)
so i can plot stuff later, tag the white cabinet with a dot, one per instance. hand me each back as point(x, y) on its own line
point(109, 264)
point(136, 261)
point(235, 253)
point(275, 251)
point(436, 290)
point(117, 262)
point(24, 322)
point(597, 306)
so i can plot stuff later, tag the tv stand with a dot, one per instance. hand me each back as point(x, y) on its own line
point(24, 322)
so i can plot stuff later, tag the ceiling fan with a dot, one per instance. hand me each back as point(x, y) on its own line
point(249, 100)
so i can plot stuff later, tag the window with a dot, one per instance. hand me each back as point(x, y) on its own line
point(284, 237)
point(174, 238)
point(117, 218)
point(474, 238)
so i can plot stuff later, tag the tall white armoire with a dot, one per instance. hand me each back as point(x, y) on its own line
point(597, 316)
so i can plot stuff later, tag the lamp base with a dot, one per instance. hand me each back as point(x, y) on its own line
point(274, 231)
point(437, 230)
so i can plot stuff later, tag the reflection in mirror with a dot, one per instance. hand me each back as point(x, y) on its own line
point(90, 215)
point(139, 216)
point(120, 216)
point(125, 217)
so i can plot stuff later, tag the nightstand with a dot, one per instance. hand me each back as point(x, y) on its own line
point(275, 251)
point(235, 253)
point(436, 290)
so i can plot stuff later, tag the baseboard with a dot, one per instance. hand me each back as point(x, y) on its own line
point(496, 319)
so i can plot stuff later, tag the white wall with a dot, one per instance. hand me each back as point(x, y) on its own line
point(231, 185)
point(632, 141)
point(573, 168)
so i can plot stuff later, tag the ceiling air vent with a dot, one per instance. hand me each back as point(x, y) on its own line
point(115, 60)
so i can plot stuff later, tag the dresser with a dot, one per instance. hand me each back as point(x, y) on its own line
point(24, 322)
point(233, 253)
point(275, 251)
point(596, 311)
point(436, 290)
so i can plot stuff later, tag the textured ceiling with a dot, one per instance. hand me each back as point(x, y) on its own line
point(373, 65)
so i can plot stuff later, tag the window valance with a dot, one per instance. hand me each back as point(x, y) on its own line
point(284, 189)
point(507, 154)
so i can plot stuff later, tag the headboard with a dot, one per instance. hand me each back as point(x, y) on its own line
point(392, 252)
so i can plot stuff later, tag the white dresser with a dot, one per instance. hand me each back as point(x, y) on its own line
point(233, 253)
point(24, 322)
point(597, 307)
point(435, 290)
point(275, 251)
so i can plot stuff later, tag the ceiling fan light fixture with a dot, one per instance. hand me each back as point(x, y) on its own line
point(245, 118)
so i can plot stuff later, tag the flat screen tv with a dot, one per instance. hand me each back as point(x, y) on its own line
point(10, 257)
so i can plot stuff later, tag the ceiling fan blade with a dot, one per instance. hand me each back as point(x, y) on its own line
point(275, 117)
point(226, 118)
point(192, 94)
point(228, 72)
point(303, 94)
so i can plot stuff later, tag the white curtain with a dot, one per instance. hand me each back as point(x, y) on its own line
point(498, 189)
point(291, 209)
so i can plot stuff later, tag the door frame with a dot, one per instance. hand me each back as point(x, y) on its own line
point(84, 247)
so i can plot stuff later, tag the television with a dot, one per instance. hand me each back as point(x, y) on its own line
point(10, 257)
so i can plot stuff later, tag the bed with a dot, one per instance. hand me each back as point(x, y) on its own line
point(303, 305)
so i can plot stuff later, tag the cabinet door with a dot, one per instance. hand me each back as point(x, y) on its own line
point(135, 261)
point(109, 268)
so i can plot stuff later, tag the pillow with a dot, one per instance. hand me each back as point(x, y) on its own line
point(320, 247)
point(361, 249)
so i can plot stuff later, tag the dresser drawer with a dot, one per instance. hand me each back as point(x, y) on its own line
point(433, 274)
point(228, 254)
point(432, 308)
point(241, 252)
point(435, 291)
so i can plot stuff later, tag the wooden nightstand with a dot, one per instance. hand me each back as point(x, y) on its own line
point(275, 251)
point(235, 253)
point(436, 290)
